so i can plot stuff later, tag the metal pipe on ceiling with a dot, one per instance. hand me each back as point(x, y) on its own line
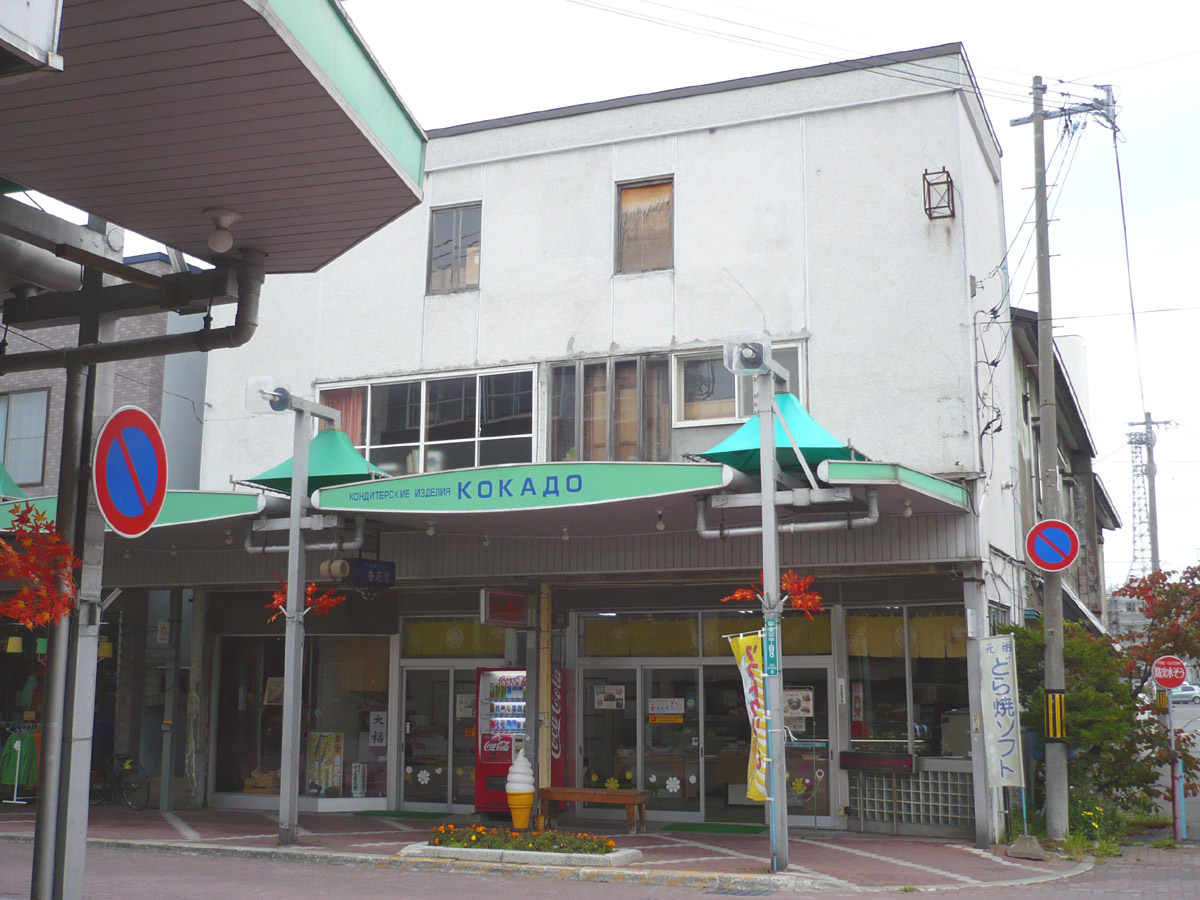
point(865, 520)
point(251, 273)
point(26, 263)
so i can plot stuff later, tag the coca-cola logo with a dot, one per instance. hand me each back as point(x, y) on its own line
point(496, 744)
point(556, 710)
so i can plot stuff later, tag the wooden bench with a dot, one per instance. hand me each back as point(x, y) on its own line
point(632, 801)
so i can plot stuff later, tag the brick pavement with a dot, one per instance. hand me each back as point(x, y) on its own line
point(830, 861)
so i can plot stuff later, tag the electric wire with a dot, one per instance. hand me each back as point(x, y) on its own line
point(913, 77)
point(1137, 353)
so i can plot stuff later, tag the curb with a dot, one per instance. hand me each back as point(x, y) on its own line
point(524, 857)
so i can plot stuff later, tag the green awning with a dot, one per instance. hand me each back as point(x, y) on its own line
point(740, 450)
point(179, 507)
point(9, 489)
point(332, 461)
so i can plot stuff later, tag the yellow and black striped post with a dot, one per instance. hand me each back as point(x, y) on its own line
point(1160, 703)
point(1056, 715)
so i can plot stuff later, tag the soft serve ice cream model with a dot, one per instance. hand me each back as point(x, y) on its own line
point(519, 788)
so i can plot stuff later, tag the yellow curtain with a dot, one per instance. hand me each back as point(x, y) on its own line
point(956, 636)
point(881, 641)
point(931, 636)
point(857, 643)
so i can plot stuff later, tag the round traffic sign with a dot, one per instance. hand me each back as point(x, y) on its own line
point(1052, 545)
point(129, 471)
point(1169, 672)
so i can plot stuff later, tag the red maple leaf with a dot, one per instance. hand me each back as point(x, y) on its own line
point(41, 563)
point(796, 590)
point(319, 603)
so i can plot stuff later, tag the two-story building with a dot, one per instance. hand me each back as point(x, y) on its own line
point(536, 364)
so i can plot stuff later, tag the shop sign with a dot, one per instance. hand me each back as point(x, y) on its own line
point(1001, 710)
point(504, 608)
point(666, 718)
point(747, 650)
point(665, 705)
point(866, 761)
point(378, 728)
point(798, 706)
point(379, 572)
point(524, 486)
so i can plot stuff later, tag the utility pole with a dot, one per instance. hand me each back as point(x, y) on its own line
point(1052, 615)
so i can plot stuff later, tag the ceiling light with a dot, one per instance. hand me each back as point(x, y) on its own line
point(430, 530)
point(660, 524)
point(487, 540)
point(228, 538)
point(220, 240)
point(907, 511)
point(566, 535)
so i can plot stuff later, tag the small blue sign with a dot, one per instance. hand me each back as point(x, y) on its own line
point(379, 572)
point(771, 646)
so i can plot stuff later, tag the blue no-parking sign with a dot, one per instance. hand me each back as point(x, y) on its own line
point(129, 471)
point(1052, 545)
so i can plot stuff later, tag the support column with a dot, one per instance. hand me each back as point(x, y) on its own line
point(131, 671)
point(195, 758)
point(545, 671)
point(166, 788)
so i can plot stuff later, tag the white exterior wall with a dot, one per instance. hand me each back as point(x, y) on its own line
point(797, 206)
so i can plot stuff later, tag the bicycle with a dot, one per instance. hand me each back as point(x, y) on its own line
point(123, 776)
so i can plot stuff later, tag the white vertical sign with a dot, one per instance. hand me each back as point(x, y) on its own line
point(1001, 710)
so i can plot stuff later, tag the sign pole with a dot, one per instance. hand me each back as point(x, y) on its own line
point(293, 635)
point(764, 395)
point(1178, 822)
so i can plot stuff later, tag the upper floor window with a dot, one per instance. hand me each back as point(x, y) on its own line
point(707, 393)
point(23, 434)
point(441, 423)
point(616, 409)
point(644, 226)
point(454, 248)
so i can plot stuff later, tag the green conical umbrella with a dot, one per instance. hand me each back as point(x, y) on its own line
point(8, 488)
point(332, 460)
point(740, 449)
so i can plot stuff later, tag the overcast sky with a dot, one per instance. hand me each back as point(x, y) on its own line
point(479, 59)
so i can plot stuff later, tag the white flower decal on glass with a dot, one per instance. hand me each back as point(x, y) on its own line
point(423, 776)
point(653, 779)
point(437, 771)
point(673, 785)
point(408, 769)
point(691, 779)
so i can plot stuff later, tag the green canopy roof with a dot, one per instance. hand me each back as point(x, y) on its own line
point(332, 460)
point(740, 449)
point(8, 488)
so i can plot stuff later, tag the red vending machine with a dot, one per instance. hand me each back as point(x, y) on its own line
point(501, 712)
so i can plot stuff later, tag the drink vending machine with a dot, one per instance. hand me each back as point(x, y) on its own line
point(501, 733)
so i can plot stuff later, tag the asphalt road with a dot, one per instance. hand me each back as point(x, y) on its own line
point(1142, 872)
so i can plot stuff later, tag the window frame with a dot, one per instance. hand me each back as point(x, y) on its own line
point(620, 186)
point(422, 444)
point(743, 400)
point(433, 213)
point(4, 455)
point(610, 384)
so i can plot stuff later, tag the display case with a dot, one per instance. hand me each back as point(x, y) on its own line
point(501, 734)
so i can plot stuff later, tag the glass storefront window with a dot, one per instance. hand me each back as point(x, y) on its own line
point(344, 728)
point(879, 698)
point(638, 634)
point(610, 746)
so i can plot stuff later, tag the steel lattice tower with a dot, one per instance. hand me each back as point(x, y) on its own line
point(1141, 564)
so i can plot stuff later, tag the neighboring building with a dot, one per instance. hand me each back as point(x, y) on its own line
point(560, 311)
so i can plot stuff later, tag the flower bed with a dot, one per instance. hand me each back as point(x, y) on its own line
point(477, 837)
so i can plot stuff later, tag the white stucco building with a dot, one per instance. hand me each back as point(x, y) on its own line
point(562, 303)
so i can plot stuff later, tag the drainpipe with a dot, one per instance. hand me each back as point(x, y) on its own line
point(861, 521)
point(250, 276)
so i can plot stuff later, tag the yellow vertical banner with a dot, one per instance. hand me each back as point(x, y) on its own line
point(747, 650)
